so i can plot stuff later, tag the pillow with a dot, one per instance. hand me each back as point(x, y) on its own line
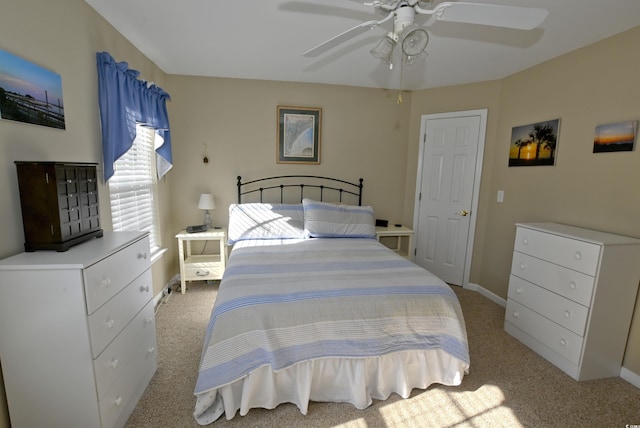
point(326, 220)
point(265, 221)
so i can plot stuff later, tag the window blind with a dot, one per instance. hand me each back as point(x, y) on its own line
point(133, 188)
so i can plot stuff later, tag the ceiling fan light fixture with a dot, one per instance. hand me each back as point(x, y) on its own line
point(384, 49)
point(414, 59)
point(414, 40)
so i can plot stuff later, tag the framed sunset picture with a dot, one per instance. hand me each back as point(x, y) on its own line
point(616, 137)
point(534, 144)
point(30, 93)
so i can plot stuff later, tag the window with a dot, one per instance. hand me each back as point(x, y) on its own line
point(133, 188)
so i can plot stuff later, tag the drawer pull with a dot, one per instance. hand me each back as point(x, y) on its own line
point(142, 256)
point(516, 314)
point(563, 342)
point(144, 289)
point(523, 266)
point(567, 314)
point(202, 273)
point(114, 363)
point(148, 320)
point(518, 290)
point(106, 282)
point(525, 241)
point(151, 350)
point(118, 401)
point(572, 285)
point(578, 255)
point(110, 323)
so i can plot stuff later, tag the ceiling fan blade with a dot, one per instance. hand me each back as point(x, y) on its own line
point(343, 37)
point(520, 18)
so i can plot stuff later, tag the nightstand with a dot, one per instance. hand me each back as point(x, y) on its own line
point(203, 266)
point(397, 232)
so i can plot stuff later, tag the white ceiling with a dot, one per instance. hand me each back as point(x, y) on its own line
point(265, 39)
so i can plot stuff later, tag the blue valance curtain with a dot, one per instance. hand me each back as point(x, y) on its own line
point(124, 102)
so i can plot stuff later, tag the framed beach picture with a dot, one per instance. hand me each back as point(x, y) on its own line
point(299, 135)
point(615, 137)
point(30, 93)
point(534, 144)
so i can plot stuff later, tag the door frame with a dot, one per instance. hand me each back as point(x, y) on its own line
point(482, 133)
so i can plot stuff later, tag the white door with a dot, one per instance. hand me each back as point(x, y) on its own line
point(447, 185)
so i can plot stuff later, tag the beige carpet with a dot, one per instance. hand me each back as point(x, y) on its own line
point(508, 384)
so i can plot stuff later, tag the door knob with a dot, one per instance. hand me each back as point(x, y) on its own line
point(463, 213)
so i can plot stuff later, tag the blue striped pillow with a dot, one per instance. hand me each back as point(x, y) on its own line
point(326, 220)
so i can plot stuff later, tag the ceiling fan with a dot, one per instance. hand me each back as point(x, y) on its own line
point(413, 38)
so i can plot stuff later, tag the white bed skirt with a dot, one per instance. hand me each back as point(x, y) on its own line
point(356, 381)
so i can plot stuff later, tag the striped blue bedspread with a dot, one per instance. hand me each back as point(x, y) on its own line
point(323, 298)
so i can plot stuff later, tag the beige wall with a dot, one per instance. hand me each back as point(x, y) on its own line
point(62, 36)
point(594, 85)
point(365, 134)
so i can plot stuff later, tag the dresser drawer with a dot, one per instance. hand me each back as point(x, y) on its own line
point(572, 253)
point(565, 282)
point(136, 356)
point(113, 316)
point(199, 273)
point(110, 275)
point(203, 268)
point(565, 312)
point(552, 335)
point(127, 353)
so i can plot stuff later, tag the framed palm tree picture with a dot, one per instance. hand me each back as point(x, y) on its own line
point(534, 144)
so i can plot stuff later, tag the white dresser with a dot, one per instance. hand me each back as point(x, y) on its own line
point(77, 332)
point(571, 296)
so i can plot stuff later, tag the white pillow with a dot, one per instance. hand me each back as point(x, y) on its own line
point(327, 220)
point(265, 221)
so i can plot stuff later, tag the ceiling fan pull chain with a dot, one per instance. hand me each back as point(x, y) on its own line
point(399, 100)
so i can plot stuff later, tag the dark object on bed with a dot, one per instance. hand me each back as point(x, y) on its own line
point(314, 182)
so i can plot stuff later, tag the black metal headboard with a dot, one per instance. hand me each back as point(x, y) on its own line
point(282, 182)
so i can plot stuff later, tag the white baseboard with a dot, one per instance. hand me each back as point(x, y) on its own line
point(488, 294)
point(175, 279)
point(631, 377)
point(159, 296)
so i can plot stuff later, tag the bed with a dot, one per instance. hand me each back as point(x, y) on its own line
point(313, 308)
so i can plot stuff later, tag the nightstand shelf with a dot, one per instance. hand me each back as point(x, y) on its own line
point(201, 267)
point(397, 232)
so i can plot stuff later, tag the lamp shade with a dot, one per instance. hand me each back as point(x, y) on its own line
point(410, 60)
point(206, 202)
point(414, 40)
point(384, 49)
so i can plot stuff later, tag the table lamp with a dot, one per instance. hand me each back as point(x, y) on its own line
point(207, 203)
